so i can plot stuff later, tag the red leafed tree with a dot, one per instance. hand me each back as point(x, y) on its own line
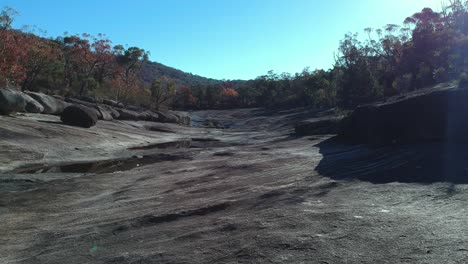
point(123, 87)
point(185, 97)
point(129, 62)
point(39, 54)
point(11, 51)
point(229, 93)
point(86, 55)
point(106, 59)
point(229, 96)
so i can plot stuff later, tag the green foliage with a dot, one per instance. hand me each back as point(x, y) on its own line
point(162, 91)
point(92, 84)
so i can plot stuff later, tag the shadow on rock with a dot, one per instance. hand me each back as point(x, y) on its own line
point(415, 163)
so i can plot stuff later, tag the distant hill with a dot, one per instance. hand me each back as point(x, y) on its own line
point(155, 70)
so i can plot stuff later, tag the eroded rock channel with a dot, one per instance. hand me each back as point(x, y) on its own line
point(246, 191)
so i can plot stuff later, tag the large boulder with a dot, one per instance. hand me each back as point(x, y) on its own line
point(128, 114)
point(436, 114)
point(79, 115)
point(115, 114)
point(92, 106)
point(32, 106)
point(134, 108)
point(51, 105)
point(80, 102)
point(108, 113)
point(104, 114)
point(184, 118)
point(319, 126)
point(88, 99)
point(11, 101)
point(56, 96)
point(111, 103)
point(167, 117)
point(149, 116)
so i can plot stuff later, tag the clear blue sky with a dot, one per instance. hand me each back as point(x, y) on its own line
point(230, 39)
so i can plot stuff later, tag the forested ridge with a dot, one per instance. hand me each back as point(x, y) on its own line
point(429, 47)
point(153, 70)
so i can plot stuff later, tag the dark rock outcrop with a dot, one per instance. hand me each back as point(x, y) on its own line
point(51, 105)
point(106, 112)
point(79, 115)
point(11, 101)
point(153, 116)
point(436, 114)
point(319, 126)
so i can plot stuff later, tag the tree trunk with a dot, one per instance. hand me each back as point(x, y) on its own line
point(83, 86)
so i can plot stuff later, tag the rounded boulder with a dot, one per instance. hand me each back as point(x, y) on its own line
point(32, 106)
point(79, 115)
point(11, 101)
point(51, 105)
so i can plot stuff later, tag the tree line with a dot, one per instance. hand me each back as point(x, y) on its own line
point(70, 64)
point(428, 48)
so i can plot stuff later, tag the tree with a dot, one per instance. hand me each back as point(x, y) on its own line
point(86, 55)
point(229, 96)
point(162, 91)
point(11, 51)
point(129, 63)
point(40, 54)
point(185, 98)
point(212, 96)
point(359, 81)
